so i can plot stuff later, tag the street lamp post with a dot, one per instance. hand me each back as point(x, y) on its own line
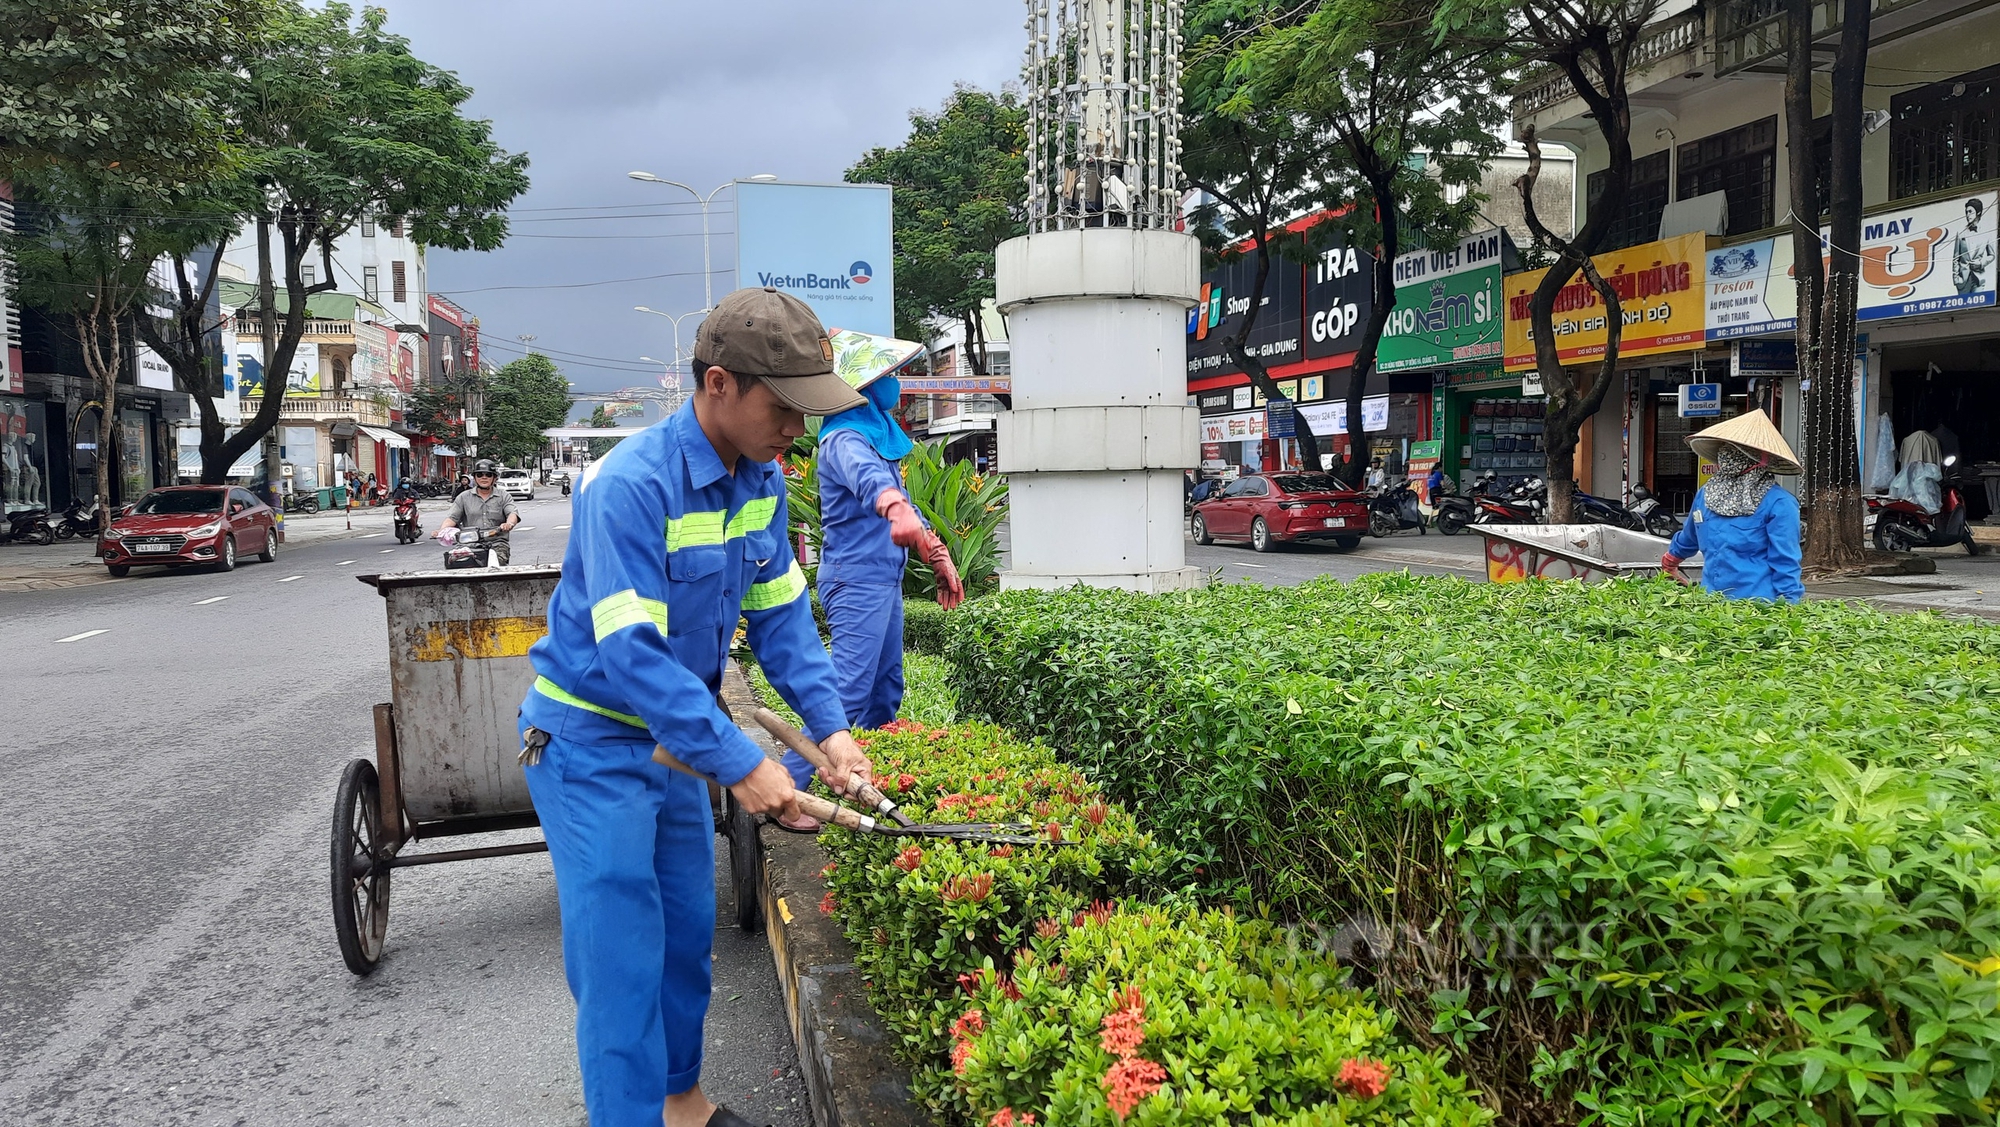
point(677, 326)
point(707, 292)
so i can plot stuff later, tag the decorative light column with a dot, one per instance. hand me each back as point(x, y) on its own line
point(1096, 298)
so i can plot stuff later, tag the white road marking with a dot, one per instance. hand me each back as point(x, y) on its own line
point(289, 578)
point(562, 526)
point(1240, 563)
point(82, 636)
point(205, 602)
point(386, 551)
point(343, 563)
point(525, 528)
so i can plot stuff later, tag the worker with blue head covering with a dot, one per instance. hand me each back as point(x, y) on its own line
point(869, 527)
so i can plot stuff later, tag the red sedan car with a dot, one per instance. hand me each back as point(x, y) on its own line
point(190, 525)
point(1271, 509)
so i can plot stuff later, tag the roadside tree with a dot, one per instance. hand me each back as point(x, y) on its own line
point(523, 398)
point(1593, 44)
point(959, 193)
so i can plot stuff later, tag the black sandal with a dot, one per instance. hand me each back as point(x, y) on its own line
point(724, 1117)
point(777, 825)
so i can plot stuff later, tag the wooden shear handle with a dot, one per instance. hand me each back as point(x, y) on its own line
point(791, 737)
point(811, 805)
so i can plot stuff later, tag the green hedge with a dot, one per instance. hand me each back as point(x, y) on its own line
point(1242, 1027)
point(1625, 850)
point(924, 626)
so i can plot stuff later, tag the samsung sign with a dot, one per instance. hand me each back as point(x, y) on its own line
point(828, 244)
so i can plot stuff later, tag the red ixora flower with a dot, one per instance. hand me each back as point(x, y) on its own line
point(971, 1023)
point(909, 859)
point(961, 1054)
point(1098, 912)
point(975, 888)
point(905, 781)
point(1055, 831)
point(1005, 1117)
point(832, 867)
point(1130, 1080)
point(1049, 928)
point(828, 905)
point(970, 980)
point(1363, 1077)
point(1007, 988)
point(1124, 1028)
point(1003, 851)
point(1097, 813)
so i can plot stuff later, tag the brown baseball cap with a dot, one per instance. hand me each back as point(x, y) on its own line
point(767, 332)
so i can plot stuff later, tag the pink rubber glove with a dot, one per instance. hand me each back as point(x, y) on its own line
point(1671, 564)
point(905, 528)
point(950, 589)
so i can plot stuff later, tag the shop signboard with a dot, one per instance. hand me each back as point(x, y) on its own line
point(1700, 400)
point(1932, 258)
point(623, 409)
point(1339, 297)
point(1331, 417)
point(1221, 306)
point(1215, 401)
point(152, 369)
point(956, 385)
point(1241, 426)
point(1661, 288)
point(1447, 306)
point(1763, 357)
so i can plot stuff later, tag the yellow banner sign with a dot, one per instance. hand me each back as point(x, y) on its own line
point(1661, 287)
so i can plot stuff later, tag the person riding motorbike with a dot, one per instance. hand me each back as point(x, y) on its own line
point(482, 508)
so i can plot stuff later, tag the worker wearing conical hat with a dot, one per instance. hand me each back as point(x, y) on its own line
point(1746, 529)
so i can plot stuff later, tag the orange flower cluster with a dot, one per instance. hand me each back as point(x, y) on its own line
point(974, 888)
point(905, 781)
point(1132, 1078)
point(1005, 1117)
point(1097, 813)
point(1098, 912)
point(909, 859)
point(1049, 928)
point(1002, 851)
point(1055, 831)
point(1365, 1078)
point(828, 905)
point(969, 1025)
point(831, 868)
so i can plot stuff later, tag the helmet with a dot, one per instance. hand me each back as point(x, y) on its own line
point(486, 465)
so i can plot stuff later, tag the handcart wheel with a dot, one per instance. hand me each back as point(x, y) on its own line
point(360, 888)
point(746, 864)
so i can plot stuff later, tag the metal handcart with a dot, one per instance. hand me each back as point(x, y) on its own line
point(447, 747)
point(1592, 553)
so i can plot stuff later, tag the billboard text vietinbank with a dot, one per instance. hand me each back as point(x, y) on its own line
point(831, 245)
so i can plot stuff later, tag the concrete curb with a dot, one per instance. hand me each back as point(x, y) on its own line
point(846, 1057)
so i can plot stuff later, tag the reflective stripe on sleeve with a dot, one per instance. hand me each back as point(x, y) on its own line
point(776, 592)
point(555, 693)
point(615, 612)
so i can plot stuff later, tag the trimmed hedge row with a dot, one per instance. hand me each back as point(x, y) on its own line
point(1630, 852)
point(998, 967)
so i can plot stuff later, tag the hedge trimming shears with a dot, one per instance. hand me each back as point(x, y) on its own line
point(813, 806)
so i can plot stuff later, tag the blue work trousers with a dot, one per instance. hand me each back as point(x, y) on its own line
point(634, 850)
point(867, 624)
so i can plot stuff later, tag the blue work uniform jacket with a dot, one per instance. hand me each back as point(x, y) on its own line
point(1750, 557)
point(666, 550)
point(856, 539)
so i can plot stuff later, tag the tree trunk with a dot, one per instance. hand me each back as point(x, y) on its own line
point(186, 352)
point(1382, 280)
point(103, 356)
point(1260, 378)
point(1832, 455)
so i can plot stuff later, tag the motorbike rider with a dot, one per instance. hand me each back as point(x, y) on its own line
point(482, 508)
point(1746, 529)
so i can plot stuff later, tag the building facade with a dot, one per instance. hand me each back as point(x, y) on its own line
point(1704, 234)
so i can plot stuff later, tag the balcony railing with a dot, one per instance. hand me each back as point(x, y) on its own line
point(251, 327)
point(1751, 33)
point(308, 407)
point(1540, 90)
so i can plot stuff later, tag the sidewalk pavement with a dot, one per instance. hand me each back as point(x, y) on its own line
point(74, 563)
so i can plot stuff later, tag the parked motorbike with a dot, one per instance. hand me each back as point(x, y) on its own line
point(1523, 503)
point(1456, 510)
point(78, 520)
point(1902, 525)
point(1392, 509)
point(409, 529)
point(302, 501)
point(1603, 510)
point(469, 548)
point(1657, 520)
point(31, 526)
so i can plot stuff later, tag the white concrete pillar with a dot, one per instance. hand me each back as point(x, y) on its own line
point(1101, 429)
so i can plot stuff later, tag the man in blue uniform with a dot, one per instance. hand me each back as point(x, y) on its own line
point(674, 534)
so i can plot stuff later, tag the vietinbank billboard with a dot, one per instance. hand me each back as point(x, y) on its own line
point(828, 244)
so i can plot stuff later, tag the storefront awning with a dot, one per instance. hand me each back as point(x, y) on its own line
point(387, 438)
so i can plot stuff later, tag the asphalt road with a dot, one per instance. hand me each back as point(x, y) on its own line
point(166, 796)
point(1430, 553)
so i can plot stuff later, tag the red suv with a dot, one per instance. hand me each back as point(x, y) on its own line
point(186, 525)
point(1270, 509)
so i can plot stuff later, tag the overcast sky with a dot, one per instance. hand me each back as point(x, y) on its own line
point(697, 92)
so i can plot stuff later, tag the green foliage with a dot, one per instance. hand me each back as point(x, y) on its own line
point(436, 410)
point(1251, 1026)
point(1625, 850)
point(928, 697)
point(139, 87)
point(599, 447)
point(523, 398)
point(965, 508)
point(924, 626)
point(959, 192)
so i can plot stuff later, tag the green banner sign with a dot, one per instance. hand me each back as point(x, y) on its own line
point(1448, 309)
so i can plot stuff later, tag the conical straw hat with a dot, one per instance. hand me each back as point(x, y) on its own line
point(1752, 432)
